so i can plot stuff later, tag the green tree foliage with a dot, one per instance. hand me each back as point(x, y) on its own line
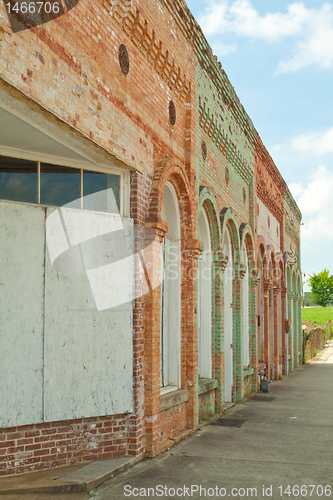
point(321, 288)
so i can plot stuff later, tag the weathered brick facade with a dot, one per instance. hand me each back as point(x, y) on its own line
point(67, 73)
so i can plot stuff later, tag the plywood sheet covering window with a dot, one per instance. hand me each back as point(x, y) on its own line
point(61, 358)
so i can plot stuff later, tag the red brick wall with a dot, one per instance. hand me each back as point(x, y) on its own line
point(70, 69)
point(55, 444)
point(173, 421)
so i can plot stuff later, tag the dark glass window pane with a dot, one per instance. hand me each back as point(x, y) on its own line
point(101, 192)
point(59, 185)
point(18, 180)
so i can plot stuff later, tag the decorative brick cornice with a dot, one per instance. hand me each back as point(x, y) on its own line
point(292, 204)
point(225, 90)
point(215, 131)
point(144, 37)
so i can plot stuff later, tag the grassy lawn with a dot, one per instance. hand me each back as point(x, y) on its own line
point(319, 315)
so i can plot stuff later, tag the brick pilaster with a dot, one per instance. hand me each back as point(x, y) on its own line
point(284, 335)
point(152, 347)
point(266, 350)
point(254, 281)
point(219, 263)
point(276, 344)
point(240, 272)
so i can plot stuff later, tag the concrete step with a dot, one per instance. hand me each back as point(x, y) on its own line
point(64, 480)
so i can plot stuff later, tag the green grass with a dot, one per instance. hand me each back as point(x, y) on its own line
point(319, 315)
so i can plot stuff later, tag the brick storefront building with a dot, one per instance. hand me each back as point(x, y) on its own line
point(128, 95)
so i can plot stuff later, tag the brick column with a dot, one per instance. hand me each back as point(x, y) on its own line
point(290, 335)
point(266, 353)
point(140, 187)
point(295, 329)
point(189, 340)
point(300, 330)
point(276, 353)
point(254, 281)
point(240, 272)
point(198, 305)
point(152, 347)
point(220, 262)
point(284, 337)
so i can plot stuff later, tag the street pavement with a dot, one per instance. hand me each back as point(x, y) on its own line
point(284, 448)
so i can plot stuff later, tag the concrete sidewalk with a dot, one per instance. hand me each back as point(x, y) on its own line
point(72, 482)
point(283, 441)
point(281, 438)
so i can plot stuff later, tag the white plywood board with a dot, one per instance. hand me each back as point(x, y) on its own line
point(22, 244)
point(88, 353)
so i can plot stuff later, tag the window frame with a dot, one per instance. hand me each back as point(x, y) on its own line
point(124, 175)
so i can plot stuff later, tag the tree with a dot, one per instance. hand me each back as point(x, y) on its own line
point(321, 287)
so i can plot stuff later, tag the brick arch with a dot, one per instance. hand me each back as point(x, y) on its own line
point(228, 220)
point(261, 247)
point(208, 202)
point(271, 259)
point(169, 170)
point(246, 236)
point(261, 252)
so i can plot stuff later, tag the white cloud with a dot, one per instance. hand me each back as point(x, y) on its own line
point(315, 203)
point(315, 143)
point(221, 49)
point(312, 28)
point(272, 26)
point(241, 18)
point(316, 43)
point(296, 189)
point(276, 147)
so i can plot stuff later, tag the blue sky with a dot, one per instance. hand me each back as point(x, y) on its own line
point(279, 58)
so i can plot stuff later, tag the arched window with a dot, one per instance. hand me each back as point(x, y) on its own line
point(246, 311)
point(228, 318)
point(205, 300)
point(171, 292)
